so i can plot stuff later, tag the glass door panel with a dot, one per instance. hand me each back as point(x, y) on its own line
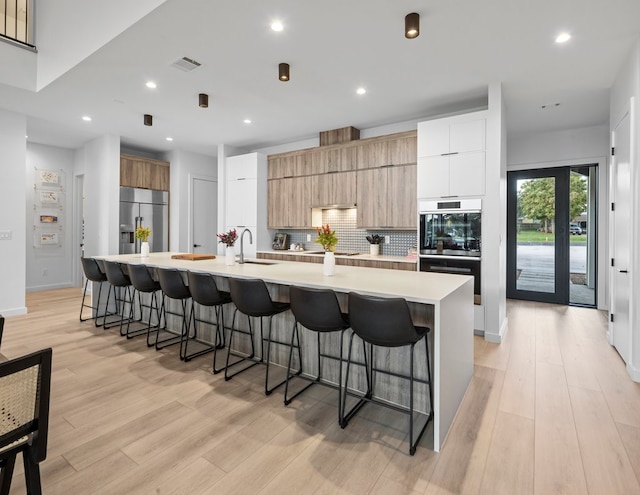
point(535, 243)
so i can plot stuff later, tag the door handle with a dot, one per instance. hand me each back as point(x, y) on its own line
point(623, 271)
point(197, 245)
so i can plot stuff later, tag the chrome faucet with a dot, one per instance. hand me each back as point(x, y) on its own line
point(241, 258)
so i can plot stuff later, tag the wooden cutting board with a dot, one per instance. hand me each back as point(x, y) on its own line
point(193, 256)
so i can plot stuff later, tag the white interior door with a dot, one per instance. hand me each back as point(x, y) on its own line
point(622, 227)
point(205, 215)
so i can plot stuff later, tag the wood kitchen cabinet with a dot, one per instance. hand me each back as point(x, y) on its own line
point(288, 204)
point(145, 173)
point(333, 189)
point(373, 154)
point(289, 165)
point(404, 150)
point(386, 198)
point(337, 159)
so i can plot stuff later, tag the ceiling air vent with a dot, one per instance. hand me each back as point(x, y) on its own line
point(186, 64)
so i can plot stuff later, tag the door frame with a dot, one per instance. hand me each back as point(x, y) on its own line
point(192, 178)
point(561, 236)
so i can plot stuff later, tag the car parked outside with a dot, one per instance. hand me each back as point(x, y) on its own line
point(575, 229)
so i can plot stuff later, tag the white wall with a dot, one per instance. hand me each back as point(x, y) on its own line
point(101, 163)
point(13, 128)
point(186, 165)
point(49, 268)
point(68, 31)
point(625, 87)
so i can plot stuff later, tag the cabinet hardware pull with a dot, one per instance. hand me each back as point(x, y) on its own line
point(387, 166)
point(332, 172)
point(623, 271)
point(452, 196)
point(242, 178)
point(288, 176)
point(447, 154)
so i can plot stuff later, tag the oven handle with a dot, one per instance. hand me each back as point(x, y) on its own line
point(450, 269)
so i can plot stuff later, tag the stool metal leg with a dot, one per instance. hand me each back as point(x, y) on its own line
point(250, 357)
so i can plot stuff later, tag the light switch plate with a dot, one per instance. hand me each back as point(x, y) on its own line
point(308, 237)
point(5, 235)
point(387, 239)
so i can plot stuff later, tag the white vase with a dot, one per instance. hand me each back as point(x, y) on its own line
point(374, 249)
point(144, 250)
point(329, 264)
point(229, 256)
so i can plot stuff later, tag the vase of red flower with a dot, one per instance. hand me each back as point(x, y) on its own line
point(229, 239)
point(328, 239)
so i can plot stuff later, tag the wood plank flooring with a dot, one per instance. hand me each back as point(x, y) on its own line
point(550, 411)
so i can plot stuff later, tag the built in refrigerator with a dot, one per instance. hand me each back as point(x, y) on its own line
point(147, 208)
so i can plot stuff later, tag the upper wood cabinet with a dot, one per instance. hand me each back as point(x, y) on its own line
point(145, 173)
point(288, 203)
point(290, 165)
point(396, 149)
point(337, 188)
point(342, 159)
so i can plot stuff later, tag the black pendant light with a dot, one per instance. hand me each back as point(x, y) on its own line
point(203, 100)
point(412, 25)
point(148, 119)
point(283, 72)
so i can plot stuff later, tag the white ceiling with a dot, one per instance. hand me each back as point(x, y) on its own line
point(333, 46)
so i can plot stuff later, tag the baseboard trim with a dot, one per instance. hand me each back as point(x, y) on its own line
point(634, 373)
point(38, 288)
point(497, 338)
point(14, 311)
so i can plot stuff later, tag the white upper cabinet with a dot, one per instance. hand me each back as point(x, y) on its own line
point(451, 156)
point(242, 167)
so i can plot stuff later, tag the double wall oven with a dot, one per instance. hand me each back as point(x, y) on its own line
point(449, 238)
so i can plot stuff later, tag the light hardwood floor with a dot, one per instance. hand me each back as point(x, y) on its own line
point(551, 410)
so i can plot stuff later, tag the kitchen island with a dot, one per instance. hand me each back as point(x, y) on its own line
point(443, 302)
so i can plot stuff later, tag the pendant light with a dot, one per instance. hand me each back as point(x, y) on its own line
point(203, 100)
point(412, 25)
point(283, 72)
point(148, 119)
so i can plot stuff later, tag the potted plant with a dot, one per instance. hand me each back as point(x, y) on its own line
point(143, 233)
point(229, 239)
point(374, 244)
point(328, 239)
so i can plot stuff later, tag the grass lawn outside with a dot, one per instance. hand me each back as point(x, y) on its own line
point(543, 237)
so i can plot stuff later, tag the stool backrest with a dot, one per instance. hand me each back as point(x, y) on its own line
point(204, 289)
point(25, 387)
point(141, 278)
point(251, 296)
point(172, 284)
point(92, 270)
point(382, 321)
point(317, 309)
point(115, 274)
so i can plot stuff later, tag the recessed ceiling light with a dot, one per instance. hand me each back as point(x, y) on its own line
point(361, 91)
point(277, 26)
point(563, 38)
point(86, 118)
point(26, 137)
point(151, 85)
point(169, 139)
point(247, 121)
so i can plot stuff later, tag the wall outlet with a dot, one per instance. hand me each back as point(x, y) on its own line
point(308, 237)
point(387, 239)
point(5, 235)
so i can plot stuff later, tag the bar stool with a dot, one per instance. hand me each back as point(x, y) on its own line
point(385, 322)
point(143, 283)
point(93, 273)
point(120, 281)
point(204, 291)
point(252, 298)
point(173, 287)
point(319, 311)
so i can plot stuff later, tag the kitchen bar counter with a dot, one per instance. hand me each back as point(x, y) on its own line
point(362, 256)
point(444, 302)
point(362, 260)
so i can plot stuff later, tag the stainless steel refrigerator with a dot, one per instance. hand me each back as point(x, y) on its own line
point(147, 208)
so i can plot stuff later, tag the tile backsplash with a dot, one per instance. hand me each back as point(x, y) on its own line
point(353, 239)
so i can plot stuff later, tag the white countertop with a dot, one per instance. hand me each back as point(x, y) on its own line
point(419, 287)
point(363, 256)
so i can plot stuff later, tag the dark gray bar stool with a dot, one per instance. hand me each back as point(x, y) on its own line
point(120, 282)
point(319, 311)
point(173, 287)
point(385, 322)
point(204, 291)
point(252, 298)
point(93, 273)
point(143, 282)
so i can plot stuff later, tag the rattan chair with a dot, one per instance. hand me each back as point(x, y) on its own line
point(25, 385)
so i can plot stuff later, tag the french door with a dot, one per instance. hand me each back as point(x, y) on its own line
point(538, 235)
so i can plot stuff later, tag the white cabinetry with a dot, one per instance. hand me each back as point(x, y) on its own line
point(246, 199)
point(451, 156)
